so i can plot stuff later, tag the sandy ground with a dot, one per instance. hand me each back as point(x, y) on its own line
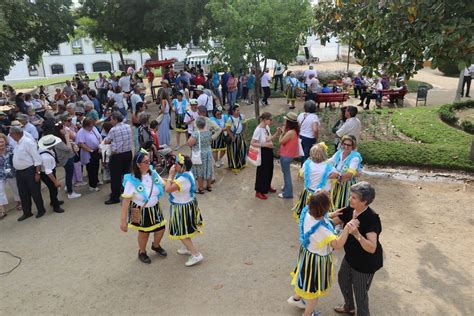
point(80, 262)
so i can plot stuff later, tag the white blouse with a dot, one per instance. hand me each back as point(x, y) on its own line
point(183, 195)
point(319, 241)
point(131, 192)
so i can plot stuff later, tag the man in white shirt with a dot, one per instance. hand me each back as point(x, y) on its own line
point(306, 75)
point(377, 89)
point(191, 116)
point(48, 169)
point(124, 82)
point(265, 84)
point(467, 80)
point(278, 75)
point(313, 87)
point(27, 126)
point(135, 97)
point(204, 100)
point(27, 163)
point(352, 126)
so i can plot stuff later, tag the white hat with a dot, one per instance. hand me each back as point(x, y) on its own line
point(199, 88)
point(48, 141)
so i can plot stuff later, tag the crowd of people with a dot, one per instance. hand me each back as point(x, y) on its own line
point(86, 128)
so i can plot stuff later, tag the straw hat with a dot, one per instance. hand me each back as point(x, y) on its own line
point(165, 82)
point(48, 141)
point(291, 116)
point(16, 123)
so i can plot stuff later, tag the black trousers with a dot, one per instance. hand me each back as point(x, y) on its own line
point(93, 171)
point(53, 191)
point(224, 94)
point(28, 188)
point(266, 94)
point(263, 179)
point(278, 78)
point(119, 164)
point(466, 81)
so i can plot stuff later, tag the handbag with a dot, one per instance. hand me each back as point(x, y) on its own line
point(300, 147)
point(254, 155)
point(136, 212)
point(196, 154)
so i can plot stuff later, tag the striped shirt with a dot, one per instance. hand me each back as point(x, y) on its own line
point(121, 137)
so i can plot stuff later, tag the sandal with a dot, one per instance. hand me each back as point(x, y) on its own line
point(341, 309)
point(209, 189)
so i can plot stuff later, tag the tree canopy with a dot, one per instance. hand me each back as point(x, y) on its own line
point(399, 35)
point(250, 31)
point(28, 28)
point(134, 25)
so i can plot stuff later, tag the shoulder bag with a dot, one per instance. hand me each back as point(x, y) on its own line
point(136, 217)
point(196, 154)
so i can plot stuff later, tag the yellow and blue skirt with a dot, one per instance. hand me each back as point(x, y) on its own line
point(185, 220)
point(341, 192)
point(237, 153)
point(152, 219)
point(180, 125)
point(313, 274)
point(301, 203)
point(219, 143)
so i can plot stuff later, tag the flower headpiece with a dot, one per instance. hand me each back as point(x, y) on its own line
point(323, 146)
point(180, 159)
point(139, 155)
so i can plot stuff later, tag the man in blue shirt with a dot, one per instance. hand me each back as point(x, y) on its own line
point(224, 78)
point(181, 78)
point(95, 101)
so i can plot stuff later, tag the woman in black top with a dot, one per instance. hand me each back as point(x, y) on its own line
point(363, 250)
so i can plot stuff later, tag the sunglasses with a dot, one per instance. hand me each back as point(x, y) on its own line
point(346, 145)
point(146, 161)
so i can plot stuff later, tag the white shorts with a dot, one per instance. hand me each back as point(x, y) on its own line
point(3, 193)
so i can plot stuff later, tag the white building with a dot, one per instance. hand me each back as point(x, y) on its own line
point(70, 58)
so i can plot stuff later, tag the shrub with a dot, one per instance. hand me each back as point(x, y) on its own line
point(467, 126)
point(447, 115)
point(449, 68)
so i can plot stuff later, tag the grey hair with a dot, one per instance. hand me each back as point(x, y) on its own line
point(16, 130)
point(89, 104)
point(309, 106)
point(201, 122)
point(365, 191)
point(117, 116)
point(143, 118)
point(71, 106)
point(49, 114)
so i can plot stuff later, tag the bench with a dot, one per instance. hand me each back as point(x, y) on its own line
point(331, 97)
point(395, 95)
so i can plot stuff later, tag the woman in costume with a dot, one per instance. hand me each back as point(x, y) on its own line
point(185, 216)
point(348, 162)
point(140, 206)
point(219, 145)
point(180, 106)
point(236, 149)
point(313, 274)
point(316, 172)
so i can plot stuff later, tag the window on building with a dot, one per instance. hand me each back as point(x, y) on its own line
point(57, 69)
point(77, 47)
point(54, 52)
point(128, 63)
point(33, 70)
point(175, 47)
point(99, 49)
point(101, 66)
point(79, 67)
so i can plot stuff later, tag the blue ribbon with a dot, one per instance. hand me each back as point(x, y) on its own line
point(192, 190)
point(352, 155)
point(304, 237)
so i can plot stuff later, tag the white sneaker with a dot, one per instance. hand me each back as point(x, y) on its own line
point(100, 182)
point(184, 251)
point(300, 303)
point(96, 189)
point(176, 148)
point(194, 260)
point(80, 184)
point(280, 195)
point(74, 195)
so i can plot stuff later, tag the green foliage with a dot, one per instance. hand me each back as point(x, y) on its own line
point(398, 35)
point(446, 113)
point(467, 126)
point(449, 68)
point(29, 28)
point(413, 85)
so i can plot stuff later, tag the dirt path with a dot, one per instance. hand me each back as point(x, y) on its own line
point(80, 263)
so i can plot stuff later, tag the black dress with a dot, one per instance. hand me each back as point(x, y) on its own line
point(263, 180)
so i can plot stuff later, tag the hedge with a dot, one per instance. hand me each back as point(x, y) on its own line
point(447, 114)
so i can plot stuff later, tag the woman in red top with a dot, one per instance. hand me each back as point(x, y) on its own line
point(289, 149)
point(150, 75)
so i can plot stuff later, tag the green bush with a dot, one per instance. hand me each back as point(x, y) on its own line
point(449, 68)
point(447, 115)
point(467, 126)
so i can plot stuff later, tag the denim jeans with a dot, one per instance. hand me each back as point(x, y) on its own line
point(306, 143)
point(285, 168)
point(232, 98)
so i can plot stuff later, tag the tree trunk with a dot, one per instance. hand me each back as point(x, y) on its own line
point(348, 56)
point(256, 89)
point(121, 59)
point(458, 91)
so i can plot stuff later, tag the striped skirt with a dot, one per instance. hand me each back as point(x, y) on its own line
point(237, 153)
point(301, 203)
point(152, 218)
point(313, 274)
point(219, 144)
point(180, 126)
point(291, 94)
point(341, 193)
point(185, 220)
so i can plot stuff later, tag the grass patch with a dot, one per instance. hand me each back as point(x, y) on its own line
point(414, 137)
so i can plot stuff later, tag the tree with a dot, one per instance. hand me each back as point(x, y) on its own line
point(135, 25)
point(399, 35)
point(29, 28)
point(252, 31)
